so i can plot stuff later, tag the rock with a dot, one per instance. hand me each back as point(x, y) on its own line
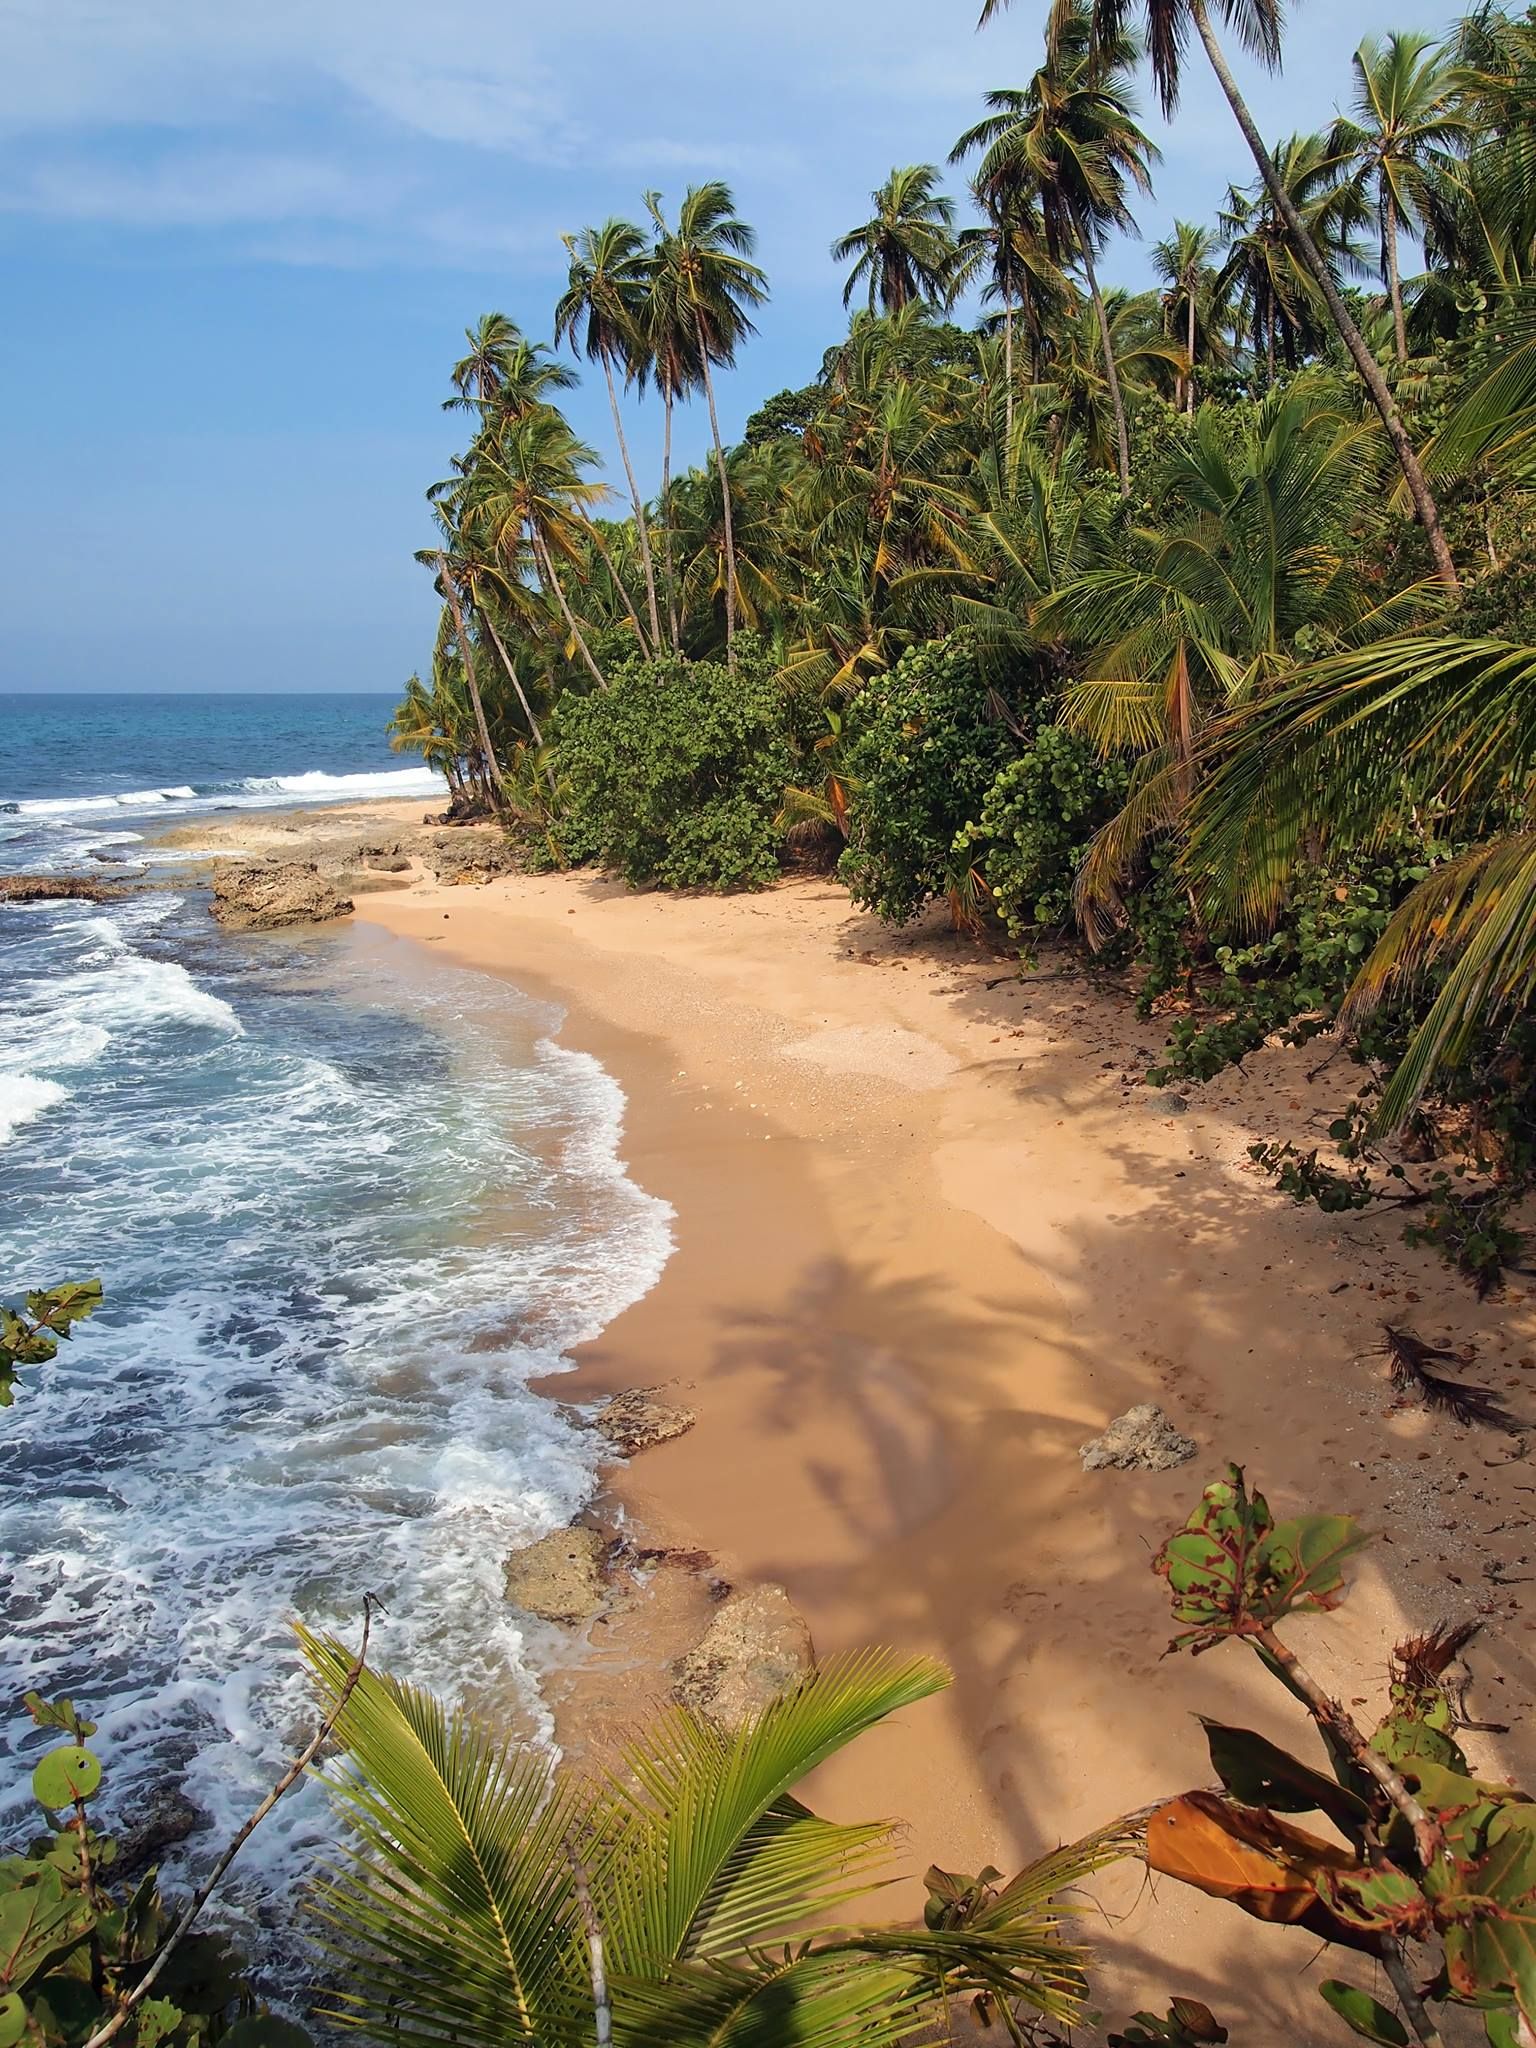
point(388, 860)
point(638, 1419)
point(163, 1821)
point(467, 857)
point(259, 896)
point(756, 1649)
point(559, 1578)
point(1140, 1440)
point(56, 888)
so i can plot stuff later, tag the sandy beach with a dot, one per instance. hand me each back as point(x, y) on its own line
point(933, 1232)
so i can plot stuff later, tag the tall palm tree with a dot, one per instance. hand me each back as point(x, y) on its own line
point(1190, 296)
point(906, 250)
point(1283, 309)
point(1010, 249)
point(504, 371)
point(1407, 107)
point(704, 283)
point(686, 1898)
point(1258, 25)
point(1073, 140)
point(449, 572)
point(529, 493)
point(602, 313)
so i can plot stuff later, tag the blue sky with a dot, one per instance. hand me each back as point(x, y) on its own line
point(241, 244)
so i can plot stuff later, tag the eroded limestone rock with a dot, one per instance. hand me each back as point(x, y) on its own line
point(260, 896)
point(1140, 1440)
point(756, 1649)
point(560, 1578)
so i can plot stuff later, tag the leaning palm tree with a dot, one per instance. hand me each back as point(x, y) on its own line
point(1258, 25)
point(704, 284)
point(503, 371)
point(602, 313)
point(1407, 109)
point(687, 1899)
point(1073, 141)
point(906, 249)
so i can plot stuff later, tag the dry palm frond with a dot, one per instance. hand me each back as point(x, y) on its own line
point(1422, 1661)
point(1412, 1373)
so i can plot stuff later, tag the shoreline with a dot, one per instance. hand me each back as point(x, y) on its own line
point(931, 1236)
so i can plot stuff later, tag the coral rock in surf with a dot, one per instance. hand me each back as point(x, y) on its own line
point(56, 888)
point(260, 896)
point(636, 1420)
point(560, 1578)
point(1140, 1440)
point(756, 1649)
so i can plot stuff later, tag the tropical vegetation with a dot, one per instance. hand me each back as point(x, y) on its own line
point(1193, 623)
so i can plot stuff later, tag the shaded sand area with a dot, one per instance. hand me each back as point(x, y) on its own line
point(933, 1233)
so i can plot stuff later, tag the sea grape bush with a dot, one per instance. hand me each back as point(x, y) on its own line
point(30, 1335)
point(1437, 1881)
point(1035, 824)
point(676, 773)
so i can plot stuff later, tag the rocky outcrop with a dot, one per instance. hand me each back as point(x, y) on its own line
point(261, 896)
point(466, 857)
point(636, 1420)
point(1140, 1440)
point(56, 888)
point(560, 1578)
point(755, 1650)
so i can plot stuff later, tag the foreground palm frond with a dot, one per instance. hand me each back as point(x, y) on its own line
point(1492, 426)
point(476, 1876)
point(1479, 912)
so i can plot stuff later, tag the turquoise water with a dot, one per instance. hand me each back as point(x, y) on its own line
point(344, 1209)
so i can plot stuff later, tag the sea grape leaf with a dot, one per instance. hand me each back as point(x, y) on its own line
point(57, 1307)
point(1232, 1570)
point(38, 1923)
point(1262, 1864)
point(58, 1714)
point(1380, 1899)
point(1197, 2020)
point(13, 2019)
point(65, 1775)
point(1502, 2027)
point(156, 2020)
point(1485, 1901)
point(1367, 2015)
point(1259, 1773)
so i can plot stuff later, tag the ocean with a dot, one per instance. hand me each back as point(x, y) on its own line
point(343, 1208)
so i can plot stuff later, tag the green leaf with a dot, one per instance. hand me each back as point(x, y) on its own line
point(57, 1714)
point(65, 1775)
point(1234, 1571)
point(1502, 2027)
point(13, 2019)
point(156, 2019)
point(1365, 2014)
point(1259, 1773)
point(58, 1307)
point(38, 1923)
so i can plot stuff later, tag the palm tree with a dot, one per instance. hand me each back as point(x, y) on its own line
point(1191, 295)
point(602, 313)
point(448, 573)
point(1072, 140)
point(1406, 107)
point(703, 284)
point(906, 250)
point(485, 1899)
point(527, 490)
point(503, 370)
point(1258, 24)
point(1284, 312)
point(1258, 556)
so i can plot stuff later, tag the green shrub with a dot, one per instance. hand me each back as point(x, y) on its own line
point(675, 774)
point(927, 743)
point(1036, 822)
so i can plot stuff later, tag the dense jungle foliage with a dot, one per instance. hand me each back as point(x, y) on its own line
point(1195, 625)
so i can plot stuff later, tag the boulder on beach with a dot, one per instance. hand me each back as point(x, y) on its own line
point(756, 1649)
point(260, 896)
point(1140, 1440)
point(560, 1578)
point(467, 856)
point(637, 1420)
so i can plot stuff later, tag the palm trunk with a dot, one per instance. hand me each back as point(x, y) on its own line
point(725, 497)
point(634, 499)
point(513, 678)
point(1189, 387)
point(1413, 475)
point(666, 514)
point(1395, 280)
point(1111, 369)
point(1008, 376)
point(549, 577)
point(495, 787)
point(647, 647)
